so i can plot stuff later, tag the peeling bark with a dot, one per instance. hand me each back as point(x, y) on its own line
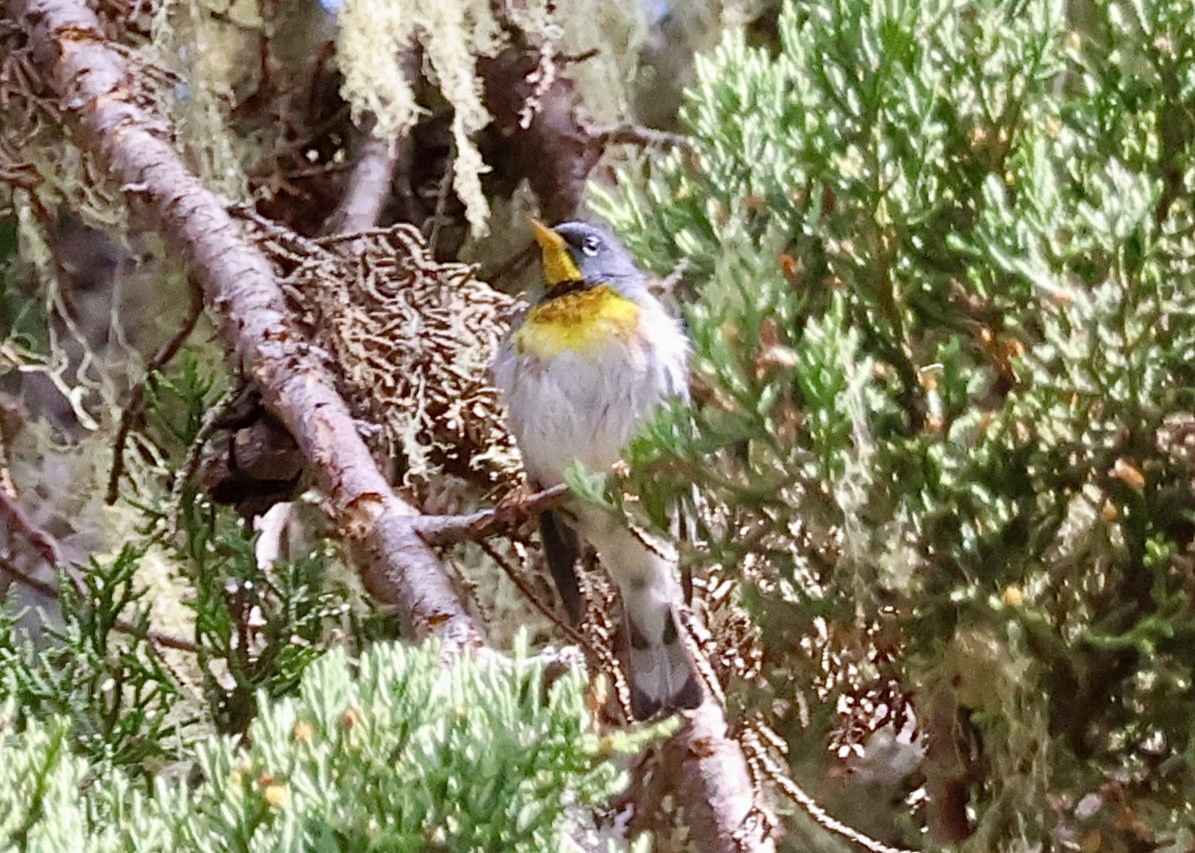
point(715, 786)
point(701, 776)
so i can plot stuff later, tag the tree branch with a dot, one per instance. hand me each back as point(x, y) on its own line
point(92, 81)
point(769, 767)
point(714, 784)
point(450, 529)
point(368, 186)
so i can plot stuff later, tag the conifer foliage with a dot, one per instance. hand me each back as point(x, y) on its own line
point(941, 256)
point(391, 752)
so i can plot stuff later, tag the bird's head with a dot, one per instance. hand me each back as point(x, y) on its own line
point(578, 255)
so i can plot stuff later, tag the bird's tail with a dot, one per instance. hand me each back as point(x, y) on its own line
point(661, 671)
point(663, 678)
point(562, 550)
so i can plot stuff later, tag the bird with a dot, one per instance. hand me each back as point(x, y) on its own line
point(592, 360)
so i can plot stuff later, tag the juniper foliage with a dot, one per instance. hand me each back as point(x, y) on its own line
point(393, 751)
point(296, 724)
point(940, 261)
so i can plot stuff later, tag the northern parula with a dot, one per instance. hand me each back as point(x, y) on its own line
point(587, 365)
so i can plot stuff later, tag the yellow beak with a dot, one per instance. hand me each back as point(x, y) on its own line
point(559, 266)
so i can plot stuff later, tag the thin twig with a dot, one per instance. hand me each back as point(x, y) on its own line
point(450, 529)
point(506, 275)
point(23, 176)
point(601, 653)
point(190, 464)
point(49, 590)
point(160, 359)
point(441, 201)
point(47, 548)
point(574, 58)
point(15, 516)
point(634, 134)
point(43, 543)
point(759, 756)
point(36, 584)
point(316, 171)
point(323, 243)
point(668, 283)
point(535, 598)
point(296, 146)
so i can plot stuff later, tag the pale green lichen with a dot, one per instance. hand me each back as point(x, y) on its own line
point(208, 54)
point(375, 34)
point(617, 32)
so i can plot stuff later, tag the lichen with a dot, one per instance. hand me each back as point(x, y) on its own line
point(412, 340)
point(373, 36)
point(451, 36)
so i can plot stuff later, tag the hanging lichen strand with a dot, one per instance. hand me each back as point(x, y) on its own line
point(450, 37)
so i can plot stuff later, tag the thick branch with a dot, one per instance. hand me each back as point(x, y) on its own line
point(714, 784)
point(95, 90)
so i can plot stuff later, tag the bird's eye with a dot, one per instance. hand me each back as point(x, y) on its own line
point(591, 245)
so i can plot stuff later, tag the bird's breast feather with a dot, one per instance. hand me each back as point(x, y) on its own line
point(578, 321)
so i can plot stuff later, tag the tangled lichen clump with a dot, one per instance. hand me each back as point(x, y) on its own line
point(413, 340)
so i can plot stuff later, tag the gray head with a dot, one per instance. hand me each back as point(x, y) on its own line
point(579, 253)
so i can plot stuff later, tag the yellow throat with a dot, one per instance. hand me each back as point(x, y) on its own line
point(578, 321)
point(575, 319)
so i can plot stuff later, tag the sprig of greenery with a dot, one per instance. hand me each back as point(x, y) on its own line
point(111, 685)
point(397, 751)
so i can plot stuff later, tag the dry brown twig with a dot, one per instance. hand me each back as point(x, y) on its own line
point(635, 134)
point(450, 529)
point(593, 651)
point(155, 637)
point(17, 519)
point(132, 409)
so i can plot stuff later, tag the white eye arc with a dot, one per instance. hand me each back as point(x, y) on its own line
point(590, 246)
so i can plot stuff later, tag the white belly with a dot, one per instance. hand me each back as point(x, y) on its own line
point(586, 406)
